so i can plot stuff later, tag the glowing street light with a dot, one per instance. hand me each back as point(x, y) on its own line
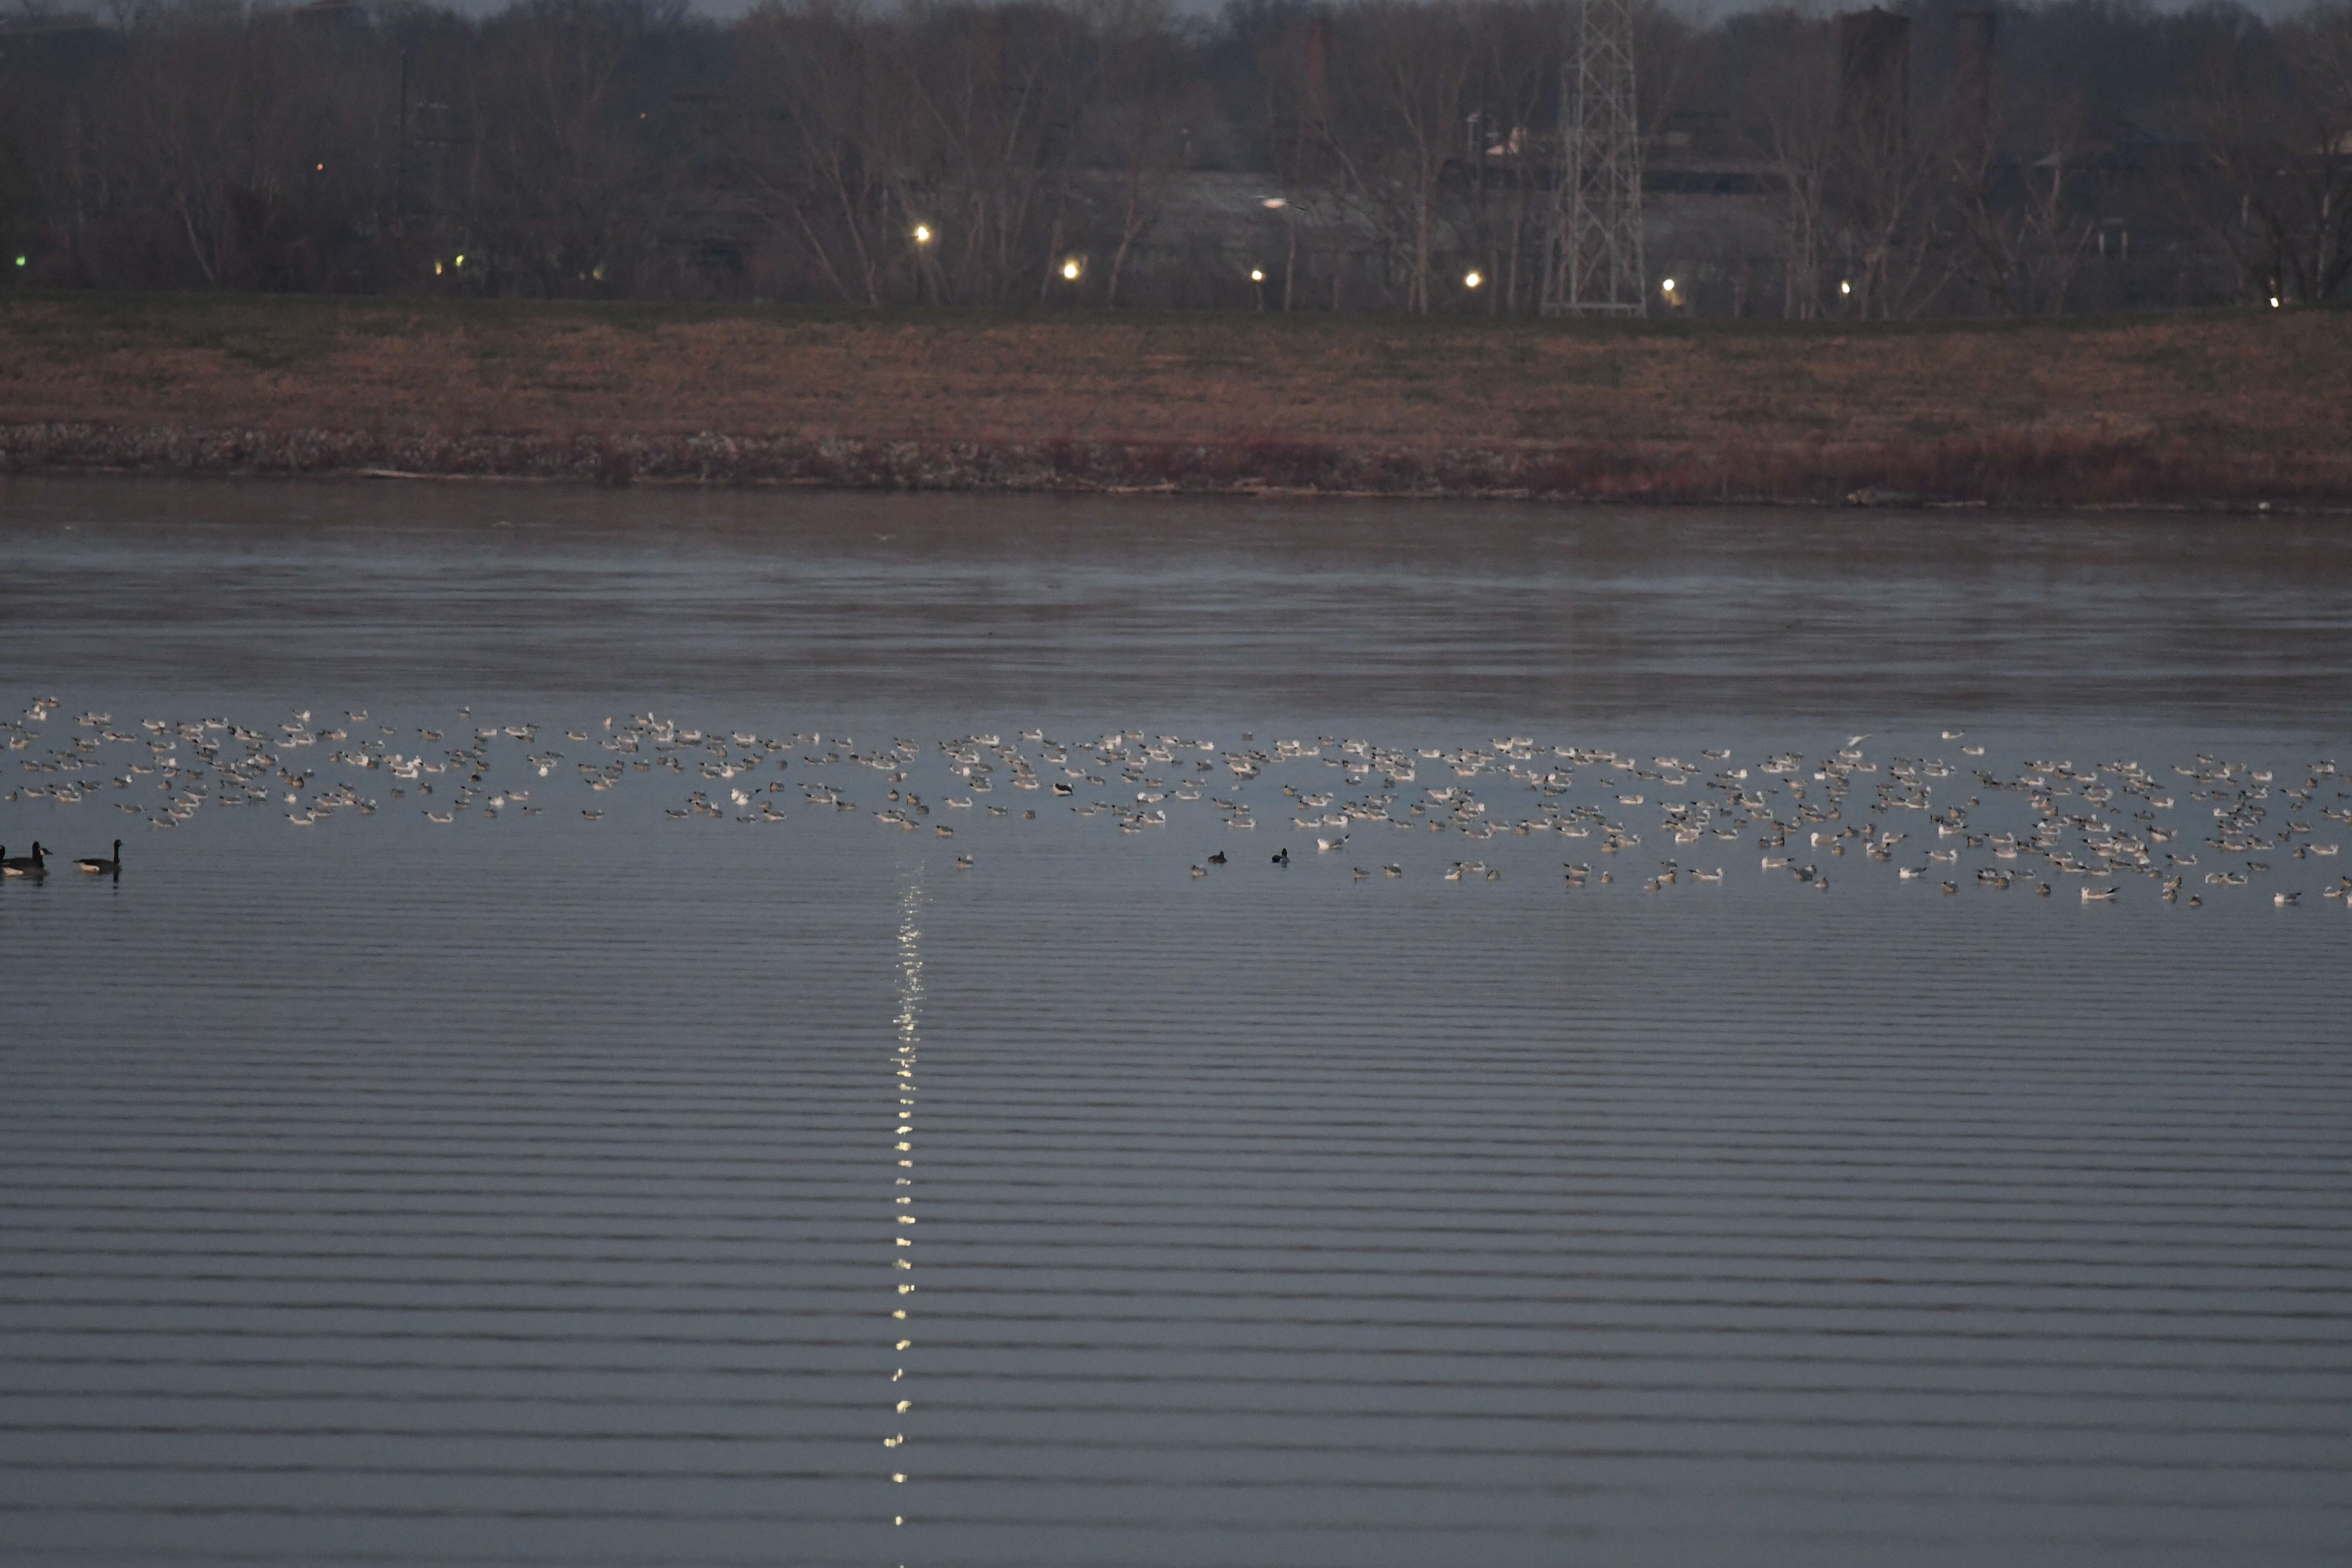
point(1845, 287)
point(1472, 279)
point(1070, 270)
point(1257, 274)
point(922, 234)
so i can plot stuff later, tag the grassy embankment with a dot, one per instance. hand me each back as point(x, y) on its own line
point(2220, 409)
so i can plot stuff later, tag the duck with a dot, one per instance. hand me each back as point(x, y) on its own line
point(1282, 856)
point(33, 865)
point(1218, 858)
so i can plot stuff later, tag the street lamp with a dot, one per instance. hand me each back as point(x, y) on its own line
point(922, 235)
point(1472, 280)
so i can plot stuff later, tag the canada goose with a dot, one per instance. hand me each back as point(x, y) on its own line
point(112, 864)
point(33, 865)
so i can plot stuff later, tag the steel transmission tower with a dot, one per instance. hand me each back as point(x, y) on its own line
point(1597, 266)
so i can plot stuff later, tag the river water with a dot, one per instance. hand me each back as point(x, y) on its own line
point(677, 1155)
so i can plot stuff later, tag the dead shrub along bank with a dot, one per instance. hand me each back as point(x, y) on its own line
point(2061, 470)
point(2224, 408)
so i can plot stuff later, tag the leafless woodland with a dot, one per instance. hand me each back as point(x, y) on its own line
point(1380, 155)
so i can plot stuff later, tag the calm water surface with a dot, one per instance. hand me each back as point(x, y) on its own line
point(532, 1188)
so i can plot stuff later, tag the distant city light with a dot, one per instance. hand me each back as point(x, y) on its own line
point(1257, 274)
point(1070, 270)
point(922, 234)
point(437, 269)
point(1272, 204)
point(20, 261)
point(1845, 288)
point(1668, 287)
point(460, 261)
point(323, 168)
point(1472, 279)
point(2274, 304)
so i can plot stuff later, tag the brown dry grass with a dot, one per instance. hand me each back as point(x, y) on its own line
point(2157, 408)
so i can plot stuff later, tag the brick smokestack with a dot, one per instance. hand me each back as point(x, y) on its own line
point(1974, 37)
point(1874, 77)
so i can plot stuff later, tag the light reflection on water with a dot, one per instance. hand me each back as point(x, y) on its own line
point(506, 1191)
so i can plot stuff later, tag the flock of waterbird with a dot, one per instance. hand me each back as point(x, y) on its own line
point(2208, 826)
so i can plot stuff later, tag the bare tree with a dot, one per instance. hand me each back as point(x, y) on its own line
point(2021, 215)
point(814, 76)
point(562, 189)
point(2277, 134)
point(1404, 70)
point(1136, 101)
point(1793, 87)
